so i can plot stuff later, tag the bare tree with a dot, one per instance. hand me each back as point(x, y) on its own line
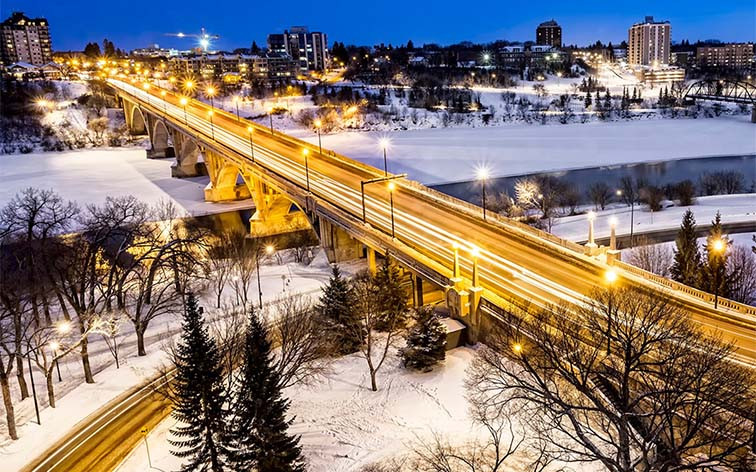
point(376, 346)
point(244, 255)
point(220, 265)
point(303, 345)
point(661, 399)
point(228, 329)
point(599, 193)
point(109, 327)
point(654, 257)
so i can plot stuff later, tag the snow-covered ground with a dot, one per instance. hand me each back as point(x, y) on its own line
point(434, 156)
point(733, 208)
point(76, 400)
point(345, 426)
point(91, 175)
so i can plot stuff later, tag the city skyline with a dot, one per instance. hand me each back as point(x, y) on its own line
point(442, 25)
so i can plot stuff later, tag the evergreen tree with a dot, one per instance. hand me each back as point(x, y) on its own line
point(607, 99)
point(92, 50)
point(337, 306)
point(410, 45)
point(200, 397)
point(714, 276)
point(108, 48)
point(635, 94)
point(426, 341)
point(686, 267)
point(258, 430)
point(588, 100)
point(255, 48)
point(390, 296)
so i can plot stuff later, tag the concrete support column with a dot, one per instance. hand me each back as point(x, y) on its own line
point(223, 184)
point(371, 260)
point(419, 300)
point(338, 245)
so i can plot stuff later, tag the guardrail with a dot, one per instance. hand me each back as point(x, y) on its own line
point(694, 292)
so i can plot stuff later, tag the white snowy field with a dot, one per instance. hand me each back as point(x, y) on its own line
point(733, 208)
point(345, 426)
point(89, 176)
point(76, 400)
point(441, 155)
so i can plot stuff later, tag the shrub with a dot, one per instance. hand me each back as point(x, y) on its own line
point(426, 341)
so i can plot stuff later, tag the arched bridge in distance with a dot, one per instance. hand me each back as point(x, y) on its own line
point(720, 90)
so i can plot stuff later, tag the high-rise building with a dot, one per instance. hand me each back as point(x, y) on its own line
point(309, 48)
point(729, 56)
point(549, 33)
point(25, 40)
point(648, 43)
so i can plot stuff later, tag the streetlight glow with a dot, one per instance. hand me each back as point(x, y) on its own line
point(384, 143)
point(482, 173)
point(54, 345)
point(718, 245)
point(610, 276)
point(64, 327)
point(517, 348)
point(391, 186)
point(269, 249)
point(613, 222)
point(591, 215)
point(183, 101)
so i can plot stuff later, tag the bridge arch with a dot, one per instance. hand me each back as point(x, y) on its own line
point(138, 121)
point(187, 156)
point(162, 141)
point(734, 91)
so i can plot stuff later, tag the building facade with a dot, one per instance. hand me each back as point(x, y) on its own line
point(549, 32)
point(309, 48)
point(25, 40)
point(269, 67)
point(648, 43)
point(664, 75)
point(728, 56)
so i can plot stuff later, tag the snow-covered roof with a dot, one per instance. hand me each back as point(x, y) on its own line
point(452, 325)
point(23, 65)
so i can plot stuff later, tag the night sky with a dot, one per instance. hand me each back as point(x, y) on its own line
point(138, 23)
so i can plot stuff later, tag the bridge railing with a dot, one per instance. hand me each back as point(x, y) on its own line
point(694, 292)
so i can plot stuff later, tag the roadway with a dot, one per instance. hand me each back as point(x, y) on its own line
point(104, 439)
point(512, 263)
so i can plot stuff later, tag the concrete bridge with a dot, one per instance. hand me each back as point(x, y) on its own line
point(482, 264)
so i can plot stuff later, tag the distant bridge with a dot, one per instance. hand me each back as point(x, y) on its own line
point(732, 91)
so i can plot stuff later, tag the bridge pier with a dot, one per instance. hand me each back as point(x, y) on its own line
point(187, 156)
point(753, 114)
point(337, 243)
point(224, 177)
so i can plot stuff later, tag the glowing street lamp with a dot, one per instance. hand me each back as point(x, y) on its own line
point(385, 143)
point(268, 250)
point(305, 153)
point(210, 92)
point(183, 103)
point(318, 124)
point(482, 176)
point(591, 219)
point(517, 348)
point(391, 188)
point(63, 327)
point(717, 247)
point(188, 85)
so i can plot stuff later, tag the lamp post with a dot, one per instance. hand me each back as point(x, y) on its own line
point(385, 143)
point(482, 175)
point(391, 188)
point(591, 218)
point(305, 153)
point(34, 389)
point(717, 247)
point(210, 92)
point(183, 103)
point(236, 102)
point(632, 212)
point(270, 116)
point(251, 131)
point(212, 126)
point(611, 277)
point(318, 124)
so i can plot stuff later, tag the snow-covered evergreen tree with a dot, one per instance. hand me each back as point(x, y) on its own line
point(426, 341)
point(338, 308)
point(258, 430)
point(200, 396)
point(686, 267)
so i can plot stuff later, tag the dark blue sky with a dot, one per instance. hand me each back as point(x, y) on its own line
point(137, 23)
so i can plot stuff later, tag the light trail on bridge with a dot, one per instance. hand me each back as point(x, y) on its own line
point(511, 264)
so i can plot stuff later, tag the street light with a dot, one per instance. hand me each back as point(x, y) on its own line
point(188, 85)
point(212, 126)
point(391, 188)
point(318, 124)
point(717, 247)
point(482, 176)
point(210, 92)
point(237, 99)
point(306, 152)
point(251, 131)
point(631, 197)
point(385, 143)
point(183, 103)
point(270, 116)
point(268, 250)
